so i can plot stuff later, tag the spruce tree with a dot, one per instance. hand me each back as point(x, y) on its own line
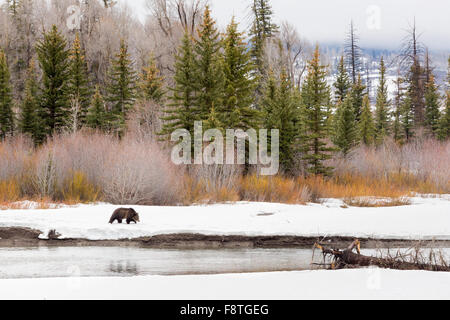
point(342, 85)
point(236, 111)
point(152, 82)
point(432, 113)
point(315, 97)
point(281, 113)
point(29, 121)
point(6, 100)
point(346, 131)
point(209, 80)
point(407, 118)
point(444, 122)
point(366, 126)
point(78, 86)
point(398, 102)
point(358, 93)
point(382, 111)
point(182, 111)
point(97, 117)
point(53, 58)
point(261, 31)
point(122, 85)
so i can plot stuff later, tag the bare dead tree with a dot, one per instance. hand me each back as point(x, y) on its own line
point(353, 53)
point(411, 63)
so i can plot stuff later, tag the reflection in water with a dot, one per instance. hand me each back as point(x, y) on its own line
point(122, 268)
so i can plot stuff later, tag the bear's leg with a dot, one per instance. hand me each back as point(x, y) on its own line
point(128, 221)
point(119, 220)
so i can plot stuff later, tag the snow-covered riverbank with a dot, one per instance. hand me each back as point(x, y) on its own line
point(426, 218)
point(322, 285)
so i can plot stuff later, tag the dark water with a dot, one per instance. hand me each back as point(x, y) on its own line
point(46, 262)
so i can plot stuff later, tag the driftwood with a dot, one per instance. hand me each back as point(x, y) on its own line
point(342, 259)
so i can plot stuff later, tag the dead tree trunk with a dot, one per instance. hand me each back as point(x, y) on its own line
point(348, 259)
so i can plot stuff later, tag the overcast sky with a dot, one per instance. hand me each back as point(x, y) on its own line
point(380, 23)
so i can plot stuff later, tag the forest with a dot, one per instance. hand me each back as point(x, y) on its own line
point(86, 112)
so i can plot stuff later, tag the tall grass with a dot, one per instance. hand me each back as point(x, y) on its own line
point(89, 167)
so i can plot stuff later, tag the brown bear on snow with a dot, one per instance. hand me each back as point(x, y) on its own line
point(130, 215)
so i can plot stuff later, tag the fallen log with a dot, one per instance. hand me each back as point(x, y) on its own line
point(342, 259)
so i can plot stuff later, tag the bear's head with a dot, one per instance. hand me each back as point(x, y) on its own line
point(134, 215)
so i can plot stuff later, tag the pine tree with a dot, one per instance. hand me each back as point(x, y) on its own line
point(209, 80)
point(407, 119)
point(6, 100)
point(398, 102)
point(53, 58)
point(78, 86)
point(96, 117)
point(29, 121)
point(281, 113)
point(444, 123)
point(315, 97)
point(122, 85)
point(182, 111)
point(366, 126)
point(346, 134)
point(237, 111)
point(261, 31)
point(382, 111)
point(358, 92)
point(342, 84)
point(432, 113)
point(152, 83)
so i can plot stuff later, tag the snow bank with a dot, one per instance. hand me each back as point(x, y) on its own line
point(426, 218)
point(317, 285)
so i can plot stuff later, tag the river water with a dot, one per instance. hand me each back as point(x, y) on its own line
point(46, 262)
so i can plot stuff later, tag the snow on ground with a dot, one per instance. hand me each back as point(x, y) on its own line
point(323, 285)
point(426, 218)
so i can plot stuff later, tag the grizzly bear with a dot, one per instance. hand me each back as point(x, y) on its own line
point(130, 215)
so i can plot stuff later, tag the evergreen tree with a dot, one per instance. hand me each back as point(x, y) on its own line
point(382, 107)
point(78, 86)
point(432, 113)
point(152, 83)
point(182, 111)
point(237, 111)
point(281, 113)
point(358, 93)
point(444, 123)
point(262, 29)
point(6, 100)
point(398, 102)
point(342, 84)
point(346, 134)
point(97, 117)
point(53, 58)
point(209, 80)
point(315, 97)
point(366, 124)
point(29, 121)
point(407, 119)
point(122, 85)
